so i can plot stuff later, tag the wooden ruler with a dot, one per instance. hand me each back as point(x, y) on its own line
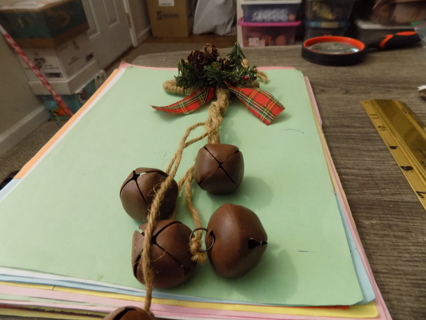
point(405, 137)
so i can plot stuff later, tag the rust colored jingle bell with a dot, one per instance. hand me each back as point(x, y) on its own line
point(138, 190)
point(236, 238)
point(170, 256)
point(219, 168)
point(129, 313)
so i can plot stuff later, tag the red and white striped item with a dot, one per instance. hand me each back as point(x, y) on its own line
point(61, 103)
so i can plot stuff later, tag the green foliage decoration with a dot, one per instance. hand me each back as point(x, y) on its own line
point(204, 68)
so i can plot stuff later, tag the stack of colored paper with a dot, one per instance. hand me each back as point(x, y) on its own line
point(65, 240)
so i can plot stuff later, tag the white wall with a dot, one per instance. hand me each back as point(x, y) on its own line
point(20, 110)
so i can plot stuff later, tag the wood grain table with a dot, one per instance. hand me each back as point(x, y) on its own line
point(390, 219)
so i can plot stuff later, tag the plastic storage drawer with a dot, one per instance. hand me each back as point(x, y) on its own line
point(256, 34)
point(270, 11)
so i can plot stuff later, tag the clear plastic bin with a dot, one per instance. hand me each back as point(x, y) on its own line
point(328, 10)
point(325, 28)
point(368, 31)
point(257, 34)
point(270, 11)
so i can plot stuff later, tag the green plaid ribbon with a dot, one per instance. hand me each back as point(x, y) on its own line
point(259, 102)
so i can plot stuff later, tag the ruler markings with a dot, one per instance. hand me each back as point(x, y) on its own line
point(404, 137)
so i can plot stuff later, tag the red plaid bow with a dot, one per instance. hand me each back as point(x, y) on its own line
point(261, 103)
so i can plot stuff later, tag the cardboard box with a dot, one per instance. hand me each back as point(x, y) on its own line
point(70, 85)
point(44, 23)
point(171, 18)
point(74, 101)
point(60, 63)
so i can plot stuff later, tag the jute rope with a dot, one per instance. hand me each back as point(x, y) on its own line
point(216, 111)
point(215, 116)
point(171, 87)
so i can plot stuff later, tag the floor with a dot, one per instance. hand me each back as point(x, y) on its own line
point(16, 157)
point(218, 41)
point(158, 45)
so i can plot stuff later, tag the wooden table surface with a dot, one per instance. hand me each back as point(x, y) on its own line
point(390, 219)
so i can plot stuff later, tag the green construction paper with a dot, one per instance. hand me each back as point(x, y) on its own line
point(65, 217)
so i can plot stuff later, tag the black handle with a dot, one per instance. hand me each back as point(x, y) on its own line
point(396, 40)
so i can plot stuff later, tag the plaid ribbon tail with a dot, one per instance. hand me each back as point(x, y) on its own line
point(259, 102)
point(190, 103)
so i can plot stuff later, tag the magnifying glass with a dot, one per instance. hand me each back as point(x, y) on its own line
point(344, 51)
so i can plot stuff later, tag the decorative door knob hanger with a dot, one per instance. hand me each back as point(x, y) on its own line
point(165, 252)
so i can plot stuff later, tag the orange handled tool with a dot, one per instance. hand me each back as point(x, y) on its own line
point(344, 51)
point(396, 40)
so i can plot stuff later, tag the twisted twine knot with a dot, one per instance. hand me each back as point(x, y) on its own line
point(216, 111)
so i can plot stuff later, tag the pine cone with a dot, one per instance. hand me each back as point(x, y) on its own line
point(225, 64)
point(197, 59)
point(211, 52)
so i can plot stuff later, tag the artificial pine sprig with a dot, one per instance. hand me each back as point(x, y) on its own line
point(236, 55)
point(204, 68)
